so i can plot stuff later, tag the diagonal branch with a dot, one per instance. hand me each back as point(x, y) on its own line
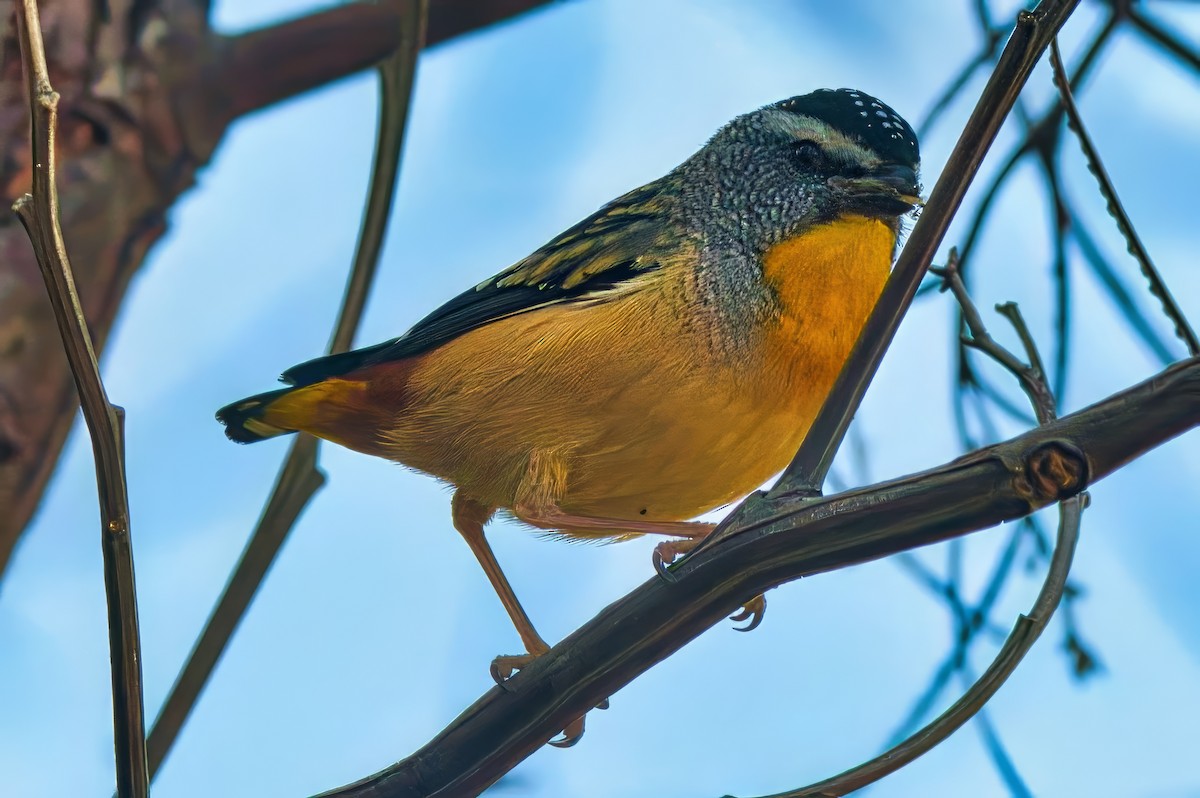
point(1164, 38)
point(105, 422)
point(265, 66)
point(1133, 241)
point(792, 538)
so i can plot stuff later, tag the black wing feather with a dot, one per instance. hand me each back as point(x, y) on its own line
point(611, 247)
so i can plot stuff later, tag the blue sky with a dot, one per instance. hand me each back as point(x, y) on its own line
point(375, 627)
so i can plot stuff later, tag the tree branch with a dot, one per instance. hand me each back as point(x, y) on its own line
point(1133, 241)
point(266, 66)
point(38, 213)
point(792, 538)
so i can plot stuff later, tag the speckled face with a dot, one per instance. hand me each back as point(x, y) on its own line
point(860, 116)
point(802, 161)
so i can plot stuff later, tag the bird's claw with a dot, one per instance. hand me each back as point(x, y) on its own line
point(666, 552)
point(570, 735)
point(503, 667)
point(574, 730)
point(753, 610)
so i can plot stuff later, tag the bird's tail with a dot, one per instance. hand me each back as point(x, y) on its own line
point(257, 418)
point(334, 409)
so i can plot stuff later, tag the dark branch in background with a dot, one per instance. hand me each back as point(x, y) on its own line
point(300, 477)
point(1026, 632)
point(792, 539)
point(264, 66)
point(39, 215)
point(1159, 35)
point(1134, 242)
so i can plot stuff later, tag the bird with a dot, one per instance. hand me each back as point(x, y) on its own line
point(660, 359)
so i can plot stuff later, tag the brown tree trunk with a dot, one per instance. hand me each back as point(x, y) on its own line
point(148, 89)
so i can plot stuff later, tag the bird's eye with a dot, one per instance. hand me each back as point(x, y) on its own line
point(809, 152)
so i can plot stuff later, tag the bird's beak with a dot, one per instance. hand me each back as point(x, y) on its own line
point(888, 190)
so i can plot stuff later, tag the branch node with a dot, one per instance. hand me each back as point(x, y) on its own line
point(1054, 470)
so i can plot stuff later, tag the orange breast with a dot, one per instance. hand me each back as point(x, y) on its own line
point(827, 281)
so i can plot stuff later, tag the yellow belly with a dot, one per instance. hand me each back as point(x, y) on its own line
point(615, 409)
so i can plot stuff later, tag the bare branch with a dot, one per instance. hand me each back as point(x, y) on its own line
point(1032, 377)
point(300, 477)
point(105, 422)
point(268, 65)
point(1158, 286)
point(789, 539)
point(1118, 292)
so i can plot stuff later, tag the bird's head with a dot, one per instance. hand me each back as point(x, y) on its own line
point(804, 161)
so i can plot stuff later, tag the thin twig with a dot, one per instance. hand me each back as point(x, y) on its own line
point(1158, 286)
point(970, 622)
point(300, 477)
point(105, 422)
point(1031, 376)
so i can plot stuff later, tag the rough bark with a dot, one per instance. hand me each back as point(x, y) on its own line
point(147, 90)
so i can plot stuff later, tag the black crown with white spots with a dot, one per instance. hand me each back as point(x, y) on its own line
point(859, 114)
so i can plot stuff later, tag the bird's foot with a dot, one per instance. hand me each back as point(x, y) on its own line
point(753, 611)
point(666, 552)
point(503, 667)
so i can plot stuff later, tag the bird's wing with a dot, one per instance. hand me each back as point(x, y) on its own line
point(609, 250)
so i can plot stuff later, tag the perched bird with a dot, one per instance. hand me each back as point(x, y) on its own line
point(661, 358)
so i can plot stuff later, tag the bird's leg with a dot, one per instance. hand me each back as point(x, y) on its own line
point(687, 535)
point(469, 517)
